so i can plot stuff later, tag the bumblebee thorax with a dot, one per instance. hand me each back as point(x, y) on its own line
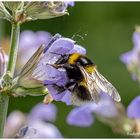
point(73, 58)
point(80, 60)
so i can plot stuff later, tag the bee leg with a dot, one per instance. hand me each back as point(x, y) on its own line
point(68, 86)
point(60, 89)
point(70, 83)
point(56, 66)
point(67, 66)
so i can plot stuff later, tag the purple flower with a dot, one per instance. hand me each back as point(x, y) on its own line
point(132, 58)
point(43, 112)
point(46, 10)
point(14, 122)
point(39, 130)
point(40, 69)
point(64, 5)
point(58, 77)
point(34, 10)
point(42, 130)
point(33, 125)
point(82, 116)
point(133, 110)
point(136, 38)
point(69, 3)
point(38, 120)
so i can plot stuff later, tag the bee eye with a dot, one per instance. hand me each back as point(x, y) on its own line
point(84, 61)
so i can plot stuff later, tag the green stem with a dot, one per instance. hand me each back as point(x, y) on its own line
point(4, 99)
point(14, 48)
point(2, 30)
point(3, 112)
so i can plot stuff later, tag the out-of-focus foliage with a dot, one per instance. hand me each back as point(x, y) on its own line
point(105, 29)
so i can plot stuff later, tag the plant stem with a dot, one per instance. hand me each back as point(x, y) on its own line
point(14, 48)
point(4, 99)
point(2, 30)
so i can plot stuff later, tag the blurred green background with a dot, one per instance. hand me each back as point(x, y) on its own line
point(106, 30)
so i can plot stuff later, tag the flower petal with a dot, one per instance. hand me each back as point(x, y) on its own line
point(78, 49)
point(133, 110)
point(127, 57)
point(67, 97)
point(43, 112)
point(81, 117)
point(39, 129)
point(60, 47)
point(136, 39)
point(106, 107)
point(55, 76)
point(14, 122)
point(43, 37)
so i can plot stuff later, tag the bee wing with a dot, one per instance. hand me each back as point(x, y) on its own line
point(106, 86)
point(92, 86)
point(97, 83)
point(32, 62)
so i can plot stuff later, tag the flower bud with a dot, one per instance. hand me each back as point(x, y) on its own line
point(2, 9)
point(21, 12)
point(13, 6)
point(45, 10)
point(3, 12)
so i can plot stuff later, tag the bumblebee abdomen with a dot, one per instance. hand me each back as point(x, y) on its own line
point(82, 92)
point(73, 72)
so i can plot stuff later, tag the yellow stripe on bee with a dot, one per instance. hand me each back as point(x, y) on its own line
point(73, 58)
point(83, 83)
point(90, 69)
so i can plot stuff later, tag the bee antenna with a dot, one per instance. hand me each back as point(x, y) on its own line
point(54, 38)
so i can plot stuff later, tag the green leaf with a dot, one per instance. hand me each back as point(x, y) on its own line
point(18, 91)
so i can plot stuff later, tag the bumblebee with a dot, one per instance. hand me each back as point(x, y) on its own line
point(85, 82)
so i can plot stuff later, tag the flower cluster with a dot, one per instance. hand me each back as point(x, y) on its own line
point(36, 124)
point(38, 75)
point(41, 71)
point(19, 12)
point(132, 58)
point(82, 116)
point(107, 111)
